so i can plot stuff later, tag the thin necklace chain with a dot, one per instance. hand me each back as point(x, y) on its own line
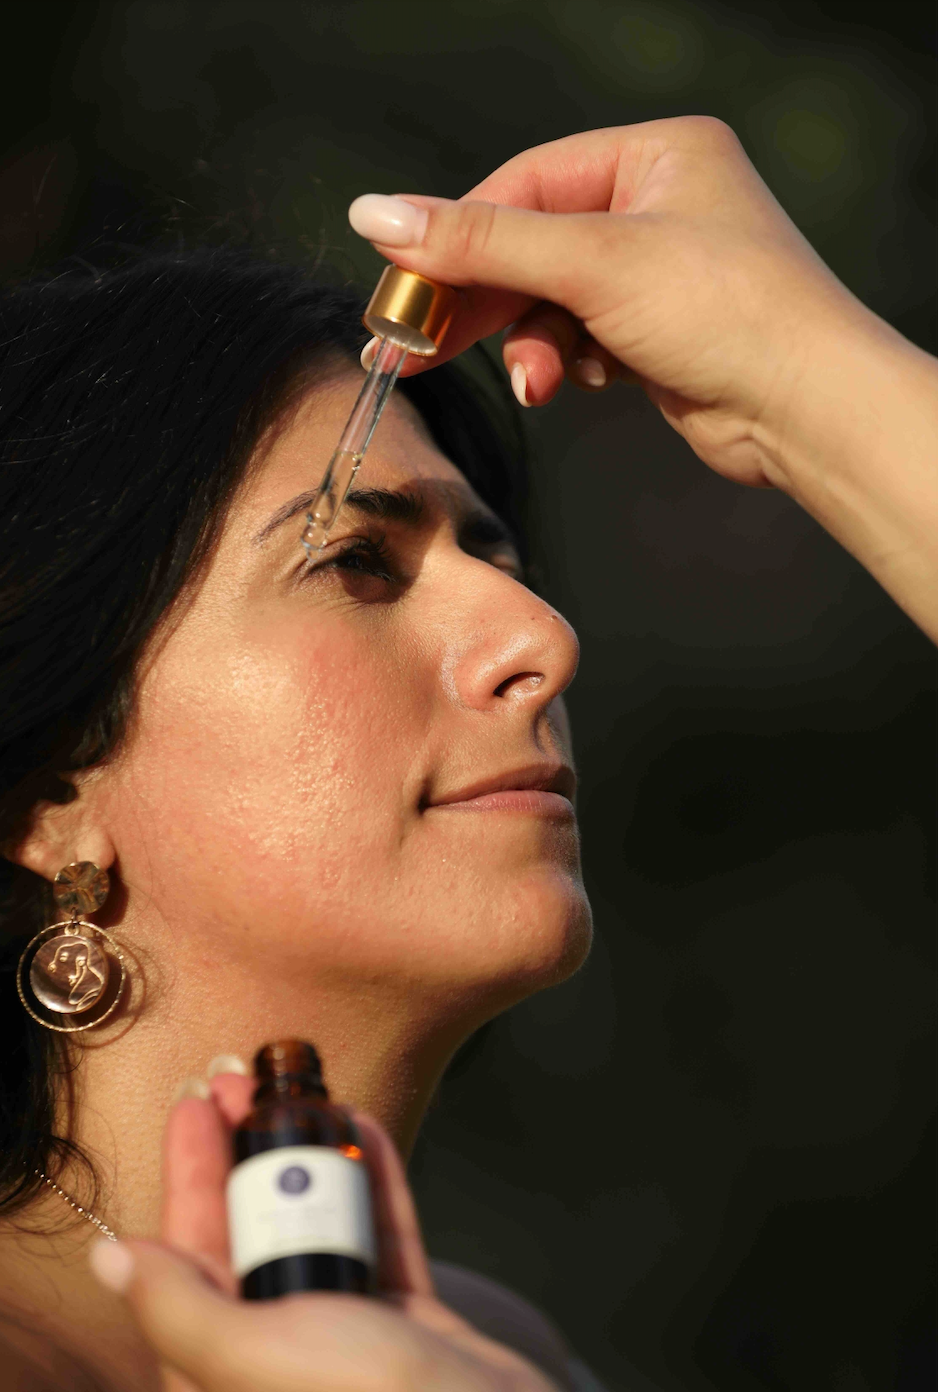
point(84, 1212)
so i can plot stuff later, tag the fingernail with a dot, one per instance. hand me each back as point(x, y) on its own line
point(112, 1263)
point(389, 221)
point(519, 384)
point(226, 1063)
point(191, 1087)
point(591, 371)
point(368, 352)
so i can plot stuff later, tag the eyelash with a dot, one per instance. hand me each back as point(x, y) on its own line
point(362, 556)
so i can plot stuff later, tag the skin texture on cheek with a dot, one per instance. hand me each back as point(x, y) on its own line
point(254, 767)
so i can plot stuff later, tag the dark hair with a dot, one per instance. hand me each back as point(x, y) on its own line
point(131, 400)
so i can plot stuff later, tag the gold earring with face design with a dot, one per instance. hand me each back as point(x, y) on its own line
point(71, 976)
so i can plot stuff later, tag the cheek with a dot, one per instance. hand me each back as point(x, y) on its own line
point(270, 767)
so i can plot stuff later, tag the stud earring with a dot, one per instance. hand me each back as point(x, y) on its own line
point(73, 970)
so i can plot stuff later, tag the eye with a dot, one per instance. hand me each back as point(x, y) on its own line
point(501, 557)
point(508, 562)
point(366, 558)
point(361, 556)
point(485, 537)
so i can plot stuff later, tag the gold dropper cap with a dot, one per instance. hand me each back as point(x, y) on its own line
point(410, 310)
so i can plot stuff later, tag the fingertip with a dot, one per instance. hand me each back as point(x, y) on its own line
point(227, 1063)
point(537, 380)
point(535, 362)
point(519, 383)
point(112, 1263)
point(191, 1087)
point(386, 220)
point(185, 1112)
point(368, 353)
point(232, 1094)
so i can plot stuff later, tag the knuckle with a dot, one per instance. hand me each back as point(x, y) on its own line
point(471, 232)
point(711, 131)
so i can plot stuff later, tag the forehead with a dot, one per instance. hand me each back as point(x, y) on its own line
point(401, 451)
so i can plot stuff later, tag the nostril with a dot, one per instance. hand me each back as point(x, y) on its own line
point(519, 682)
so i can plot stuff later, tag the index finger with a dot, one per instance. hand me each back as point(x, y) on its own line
point(196, 1162)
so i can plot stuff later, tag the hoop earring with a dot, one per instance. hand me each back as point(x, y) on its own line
point(73, 968)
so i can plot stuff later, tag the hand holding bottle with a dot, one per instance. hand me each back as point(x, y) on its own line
point(656, 252)
point(182, 1292)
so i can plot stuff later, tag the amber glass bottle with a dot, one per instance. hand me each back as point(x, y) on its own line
point(299, 1202)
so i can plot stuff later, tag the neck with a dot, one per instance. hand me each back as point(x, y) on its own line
point(383, 1051)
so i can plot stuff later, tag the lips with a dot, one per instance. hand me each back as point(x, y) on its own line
point(547, 789)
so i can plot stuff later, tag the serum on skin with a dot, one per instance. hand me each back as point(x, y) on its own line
point(299, 1197)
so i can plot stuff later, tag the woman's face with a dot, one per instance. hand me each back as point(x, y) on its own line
point(358, 767)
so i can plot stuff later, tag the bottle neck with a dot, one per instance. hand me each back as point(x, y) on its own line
point(289, 1085)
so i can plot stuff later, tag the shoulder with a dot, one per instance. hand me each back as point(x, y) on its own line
point(511, 1320)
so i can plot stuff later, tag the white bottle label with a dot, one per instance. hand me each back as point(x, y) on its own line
point(299, 1200)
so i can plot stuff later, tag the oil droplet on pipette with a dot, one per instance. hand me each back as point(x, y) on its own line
point(343, 466)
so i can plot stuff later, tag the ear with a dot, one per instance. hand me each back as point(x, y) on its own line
point(61, 833)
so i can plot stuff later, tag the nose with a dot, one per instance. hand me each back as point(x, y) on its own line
point(513, 650)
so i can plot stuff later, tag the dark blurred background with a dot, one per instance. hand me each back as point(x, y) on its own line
point(707, 1155)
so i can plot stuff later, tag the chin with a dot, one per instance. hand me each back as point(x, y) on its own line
point(543, 937)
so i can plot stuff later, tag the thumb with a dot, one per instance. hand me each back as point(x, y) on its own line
point(181, 1314)
point(577, 260)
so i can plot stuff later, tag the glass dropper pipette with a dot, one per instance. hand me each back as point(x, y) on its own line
point(408, 314)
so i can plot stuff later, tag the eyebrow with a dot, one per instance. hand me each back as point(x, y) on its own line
point(384, 503)
point(392, 505)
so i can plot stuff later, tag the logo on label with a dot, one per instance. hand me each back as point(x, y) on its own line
point(294, 1179)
